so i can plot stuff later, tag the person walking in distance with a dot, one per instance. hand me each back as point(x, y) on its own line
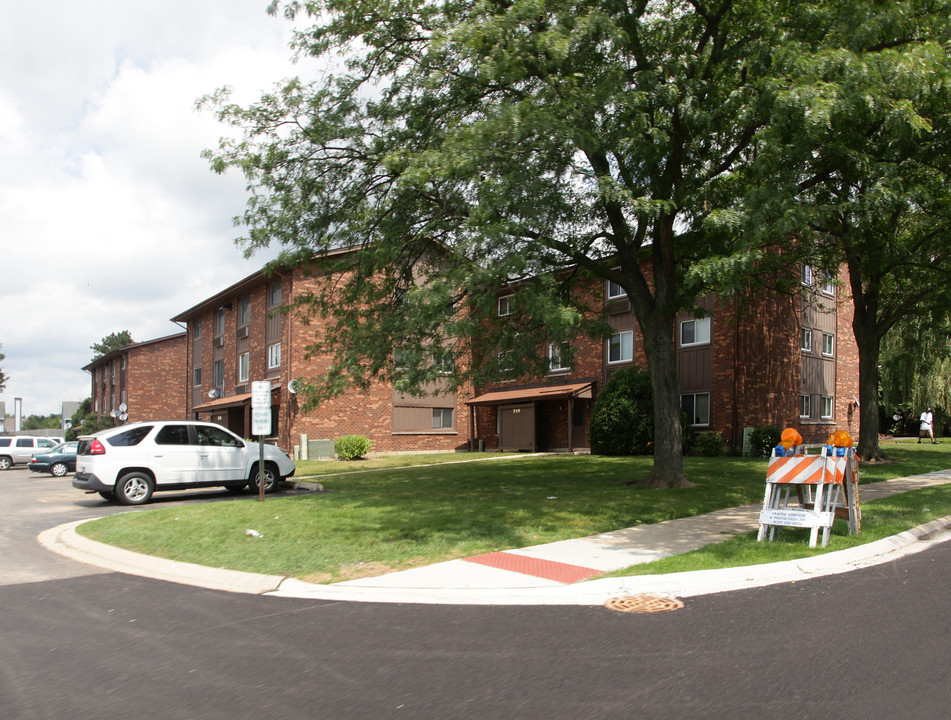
point(926, 429)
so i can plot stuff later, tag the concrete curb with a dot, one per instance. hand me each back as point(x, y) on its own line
point(66, 541)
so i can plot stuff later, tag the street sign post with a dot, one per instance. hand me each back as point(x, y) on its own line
point(261, 423)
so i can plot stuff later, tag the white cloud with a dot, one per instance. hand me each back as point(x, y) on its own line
point(109, 218)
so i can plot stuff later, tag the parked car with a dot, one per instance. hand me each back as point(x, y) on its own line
point(130, 462)
point(59, 461)
point(20, 448)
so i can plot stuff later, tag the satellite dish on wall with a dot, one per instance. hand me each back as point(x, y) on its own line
point(123, 408)
point(213, 393)
point(293, 386)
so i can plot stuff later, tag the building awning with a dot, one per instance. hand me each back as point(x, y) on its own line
point(230, 401)
point(547, 392)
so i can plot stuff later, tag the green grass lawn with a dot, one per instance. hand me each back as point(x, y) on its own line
point(396, 517)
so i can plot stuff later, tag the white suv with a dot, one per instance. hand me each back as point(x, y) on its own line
point(130, 462)
point(20, 448)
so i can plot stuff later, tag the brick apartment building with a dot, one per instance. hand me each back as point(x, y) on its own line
point(142, 381)
point(239, 335)
point(788, 360)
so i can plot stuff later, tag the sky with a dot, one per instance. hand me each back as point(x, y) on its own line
point(110, 220)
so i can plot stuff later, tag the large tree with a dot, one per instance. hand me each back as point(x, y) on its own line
point(867, 143)
point(3, 377)
point(111, 342)
point(460, 147)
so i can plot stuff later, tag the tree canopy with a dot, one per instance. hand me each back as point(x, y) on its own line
point(3, 376)
point(460, 148)
point(111, 342)
point(869, 158)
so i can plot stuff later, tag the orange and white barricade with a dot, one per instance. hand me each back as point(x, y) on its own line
point(835, 480)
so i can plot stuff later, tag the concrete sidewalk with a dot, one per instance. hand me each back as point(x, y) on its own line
point(546, 574)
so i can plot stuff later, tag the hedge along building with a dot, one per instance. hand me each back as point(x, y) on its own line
point(768, 358)
point(251, 331)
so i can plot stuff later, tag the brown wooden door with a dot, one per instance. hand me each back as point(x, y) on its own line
point(517, 427)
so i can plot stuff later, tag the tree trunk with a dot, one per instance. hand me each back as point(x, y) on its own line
point(659, 348)
point(869, 345)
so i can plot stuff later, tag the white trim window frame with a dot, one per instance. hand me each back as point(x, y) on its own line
point(698, 414)
point(805, 406)
point(695, 331)
point(504, 305)
point(555, 355)
point(244, 367)
point(807, 275)
point(805, 339)
point(273, 356)
point(614, 290)
point(828, 344)
point(826, 406)
point(443, 418)
point(621, 347)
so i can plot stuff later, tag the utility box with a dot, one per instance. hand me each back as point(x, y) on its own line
point(320, 449)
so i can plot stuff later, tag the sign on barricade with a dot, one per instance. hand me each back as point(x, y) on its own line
point(834, 479)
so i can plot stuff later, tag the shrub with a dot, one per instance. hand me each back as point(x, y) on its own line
point(708, 444)
point(763, 439)
point(351, 447)
point(623, 419)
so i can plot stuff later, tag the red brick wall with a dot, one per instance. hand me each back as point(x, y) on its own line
point(354, 412)
point(155, 380)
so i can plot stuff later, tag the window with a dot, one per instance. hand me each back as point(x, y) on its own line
point(173, 435)
point(244, 310)
point(244, 367)
point(444, 361)
point(828, 287)
point(130, 437)
point(695, 332)
point(696, 406)
point(274, 356)
point(621, 347)
point(615, 291)
point(196, 329)
point(805, 343)
point(216, 436)
point(557, 357)
point(505, 305)
point(506, 361)
point(805, 406)
point(219, 373)
point(274, 294)
point(807, 275)
point(196, 377)
point(442, 418)
point(828, 344)
point(220, 321)
point(826, 410)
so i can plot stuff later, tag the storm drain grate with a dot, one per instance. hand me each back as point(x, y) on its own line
point(643, 604)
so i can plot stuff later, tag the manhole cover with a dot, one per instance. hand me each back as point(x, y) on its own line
point(643, 604)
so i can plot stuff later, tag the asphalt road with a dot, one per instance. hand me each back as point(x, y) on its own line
point(78, 643)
